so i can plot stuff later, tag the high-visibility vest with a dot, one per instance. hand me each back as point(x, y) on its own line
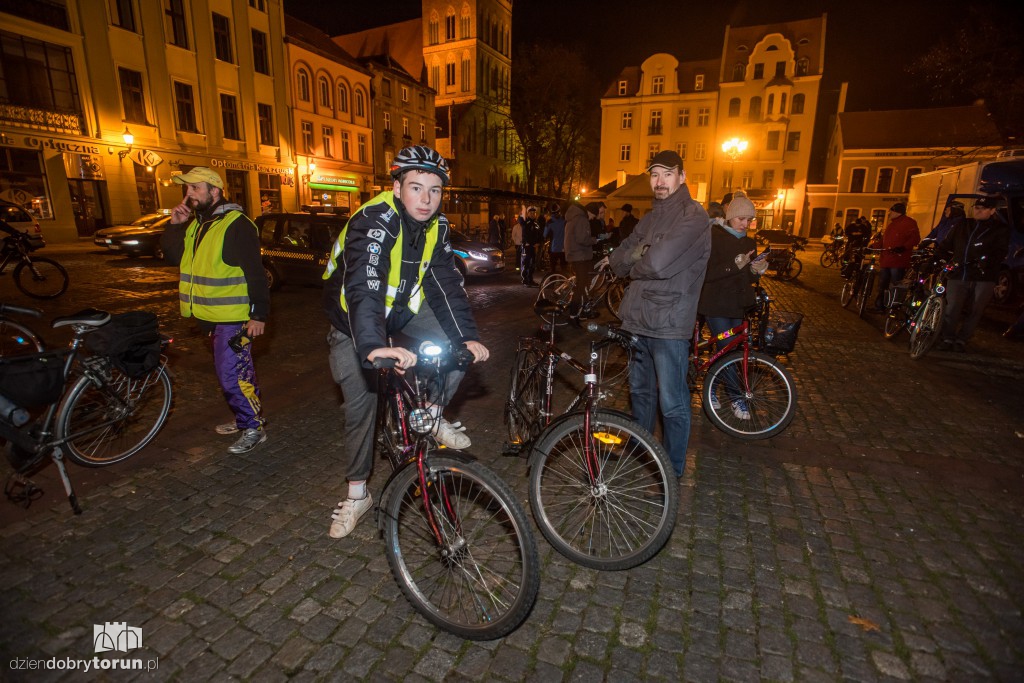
point(395, 259)
point(208, 288)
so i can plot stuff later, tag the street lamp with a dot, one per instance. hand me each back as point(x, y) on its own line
point(129, 140)
point(732, 149)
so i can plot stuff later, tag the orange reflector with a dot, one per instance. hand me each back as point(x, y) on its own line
point(607, 439)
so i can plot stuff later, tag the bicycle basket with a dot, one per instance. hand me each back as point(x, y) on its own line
point(33, 380)
point(130, 340)
point(781, 331)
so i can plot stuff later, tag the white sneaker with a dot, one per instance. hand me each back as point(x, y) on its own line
point(739, 409)
point(250, 439)
point(348, 513)
point(452, 435)
point(714, 402)
point(226, 428)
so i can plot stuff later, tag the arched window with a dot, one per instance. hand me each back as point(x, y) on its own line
point(434, 35)
point(782, 104)
point(325, 92)
point(802, 66)
point(798, 104)
point(734, 106)
point(302, 83)
point(343, 98)
point(754, 113)
point(771, 104)
point(465, 22)
point(360, 104)
point(739, 71)
point(449, 24)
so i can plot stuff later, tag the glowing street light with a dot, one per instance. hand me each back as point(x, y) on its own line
point(734, 147)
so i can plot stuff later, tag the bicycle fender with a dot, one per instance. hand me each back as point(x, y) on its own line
point(448, 453)
point(535, 453)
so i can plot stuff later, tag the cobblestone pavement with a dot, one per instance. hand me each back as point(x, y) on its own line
point(878, 538)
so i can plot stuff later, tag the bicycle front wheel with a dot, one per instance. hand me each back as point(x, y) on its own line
point(18, 340)
point(927, 326)
point(525, 396)
point(865, 292)
point(849, 291)
point(105, 424)
point(759, 408)
point(614, 300)
point(41, 278)
point(828, 258)
point(482, 581)
point(624, 515)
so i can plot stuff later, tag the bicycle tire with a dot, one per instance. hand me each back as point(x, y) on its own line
point(47, 279)
point(828, 258)
point(865, 292)
point(895, 322)
point(558, 289)
point(387, 434)
point(456, 588)
point(97, 431)
point(623, 521)
point(613, 299)
point(794, 269)
point(770, 402)
point(927, 326)
point(525, 396)
point(18, 340)
point(848, 293)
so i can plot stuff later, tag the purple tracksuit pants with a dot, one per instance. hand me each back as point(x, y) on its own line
point(237, 376)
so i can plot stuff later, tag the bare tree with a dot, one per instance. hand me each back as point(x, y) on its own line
point(556, 111)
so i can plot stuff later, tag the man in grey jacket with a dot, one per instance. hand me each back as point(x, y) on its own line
point(579, 247)
point(665, 258)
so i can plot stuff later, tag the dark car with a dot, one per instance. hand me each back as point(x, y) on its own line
point(139, 241)
point(476, 258)
point(296, 246)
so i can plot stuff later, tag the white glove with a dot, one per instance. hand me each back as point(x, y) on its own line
point(759, 267)
point(742, 260)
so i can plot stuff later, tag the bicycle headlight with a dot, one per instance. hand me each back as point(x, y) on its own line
point(430, 350)
point(421, 421)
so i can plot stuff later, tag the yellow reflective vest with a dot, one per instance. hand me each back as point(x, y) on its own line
point(395, 258)
point(208, 288)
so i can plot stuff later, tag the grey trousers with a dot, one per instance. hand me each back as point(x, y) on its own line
point(957, 293)
point(359, 387)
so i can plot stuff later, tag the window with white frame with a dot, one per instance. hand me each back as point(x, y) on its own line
point(703, 116)
point(624, 152)
point(700, 151)
point(627, 120)
point(658, 85)
point(683, 118)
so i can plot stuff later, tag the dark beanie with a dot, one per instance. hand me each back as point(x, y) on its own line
point(899, 207)
point(594, 207)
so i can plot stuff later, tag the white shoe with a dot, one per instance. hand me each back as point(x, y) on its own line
point(348, 513)
point(452, 435)
point(715, 405)
point(739, 409)
point(226, 428)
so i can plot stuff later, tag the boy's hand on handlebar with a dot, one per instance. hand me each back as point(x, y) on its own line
point(406, 358)
point(479, 351)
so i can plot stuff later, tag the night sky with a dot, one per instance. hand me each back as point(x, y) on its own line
point(867, 43)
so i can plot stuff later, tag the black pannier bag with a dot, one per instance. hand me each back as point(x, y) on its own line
point(130, 340)
point(33, 380)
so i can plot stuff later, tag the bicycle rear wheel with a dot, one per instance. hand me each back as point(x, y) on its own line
point(792, 270)
point(895, 321)
point(42, 278)
point(763, 409)
point(106, 424)
point(482, 582)
point(18, 340)
point(622, 519)
point(557, 289)
point(927, 326)
point(525, 396)
point(614, 298)
point(849, 291)
point(865, 292)
point(828, 258)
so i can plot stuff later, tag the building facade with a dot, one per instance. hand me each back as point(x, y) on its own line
point(332, 119)
point(762, 93)
point(103, 101)
point(873, 155)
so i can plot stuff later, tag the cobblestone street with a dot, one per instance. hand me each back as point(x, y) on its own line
point(878, 538)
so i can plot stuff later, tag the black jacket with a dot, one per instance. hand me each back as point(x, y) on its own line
point(727, 291)
point(977, 247)
point(373, 232)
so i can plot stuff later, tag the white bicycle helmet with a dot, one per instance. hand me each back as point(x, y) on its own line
point(420, 158)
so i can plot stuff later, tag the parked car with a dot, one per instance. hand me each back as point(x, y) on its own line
point(21, 220)
point(476, 258)
point(296, 247)
point(142, 241)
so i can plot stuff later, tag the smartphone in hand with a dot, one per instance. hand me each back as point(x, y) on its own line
point(762, 256)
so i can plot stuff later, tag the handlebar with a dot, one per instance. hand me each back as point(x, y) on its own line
point(430, 353)
point(623, 338)
point(22, 310)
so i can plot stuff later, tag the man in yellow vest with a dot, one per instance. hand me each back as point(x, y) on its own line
point(223, 286)
point(394, 256)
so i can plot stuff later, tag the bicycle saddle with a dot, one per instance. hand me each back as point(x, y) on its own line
point(90, 317)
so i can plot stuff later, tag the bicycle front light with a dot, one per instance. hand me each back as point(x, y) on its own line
point(430, 350)
point(421, 421)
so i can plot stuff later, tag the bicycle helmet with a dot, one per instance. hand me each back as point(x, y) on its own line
point(420, 158)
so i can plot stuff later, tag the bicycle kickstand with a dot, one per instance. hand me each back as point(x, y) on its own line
point(58, 459)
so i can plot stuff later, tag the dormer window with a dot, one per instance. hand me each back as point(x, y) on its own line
point(658, 85)
point(698, 83)
point(622, 87)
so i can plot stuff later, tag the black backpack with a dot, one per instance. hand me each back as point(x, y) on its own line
point(130, 340)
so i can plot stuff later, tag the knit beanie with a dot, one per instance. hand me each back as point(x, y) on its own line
point(740, 207)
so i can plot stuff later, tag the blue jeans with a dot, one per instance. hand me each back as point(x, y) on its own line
point(731, 376)
point(657, 379)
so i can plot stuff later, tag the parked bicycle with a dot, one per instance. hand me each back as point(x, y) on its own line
point(927, 324)
point(17, 339)
point(99, 409)
point(860, 275)
point(833, 252)
point(457, 541)
point(782, 260)
point(605, 288)
point(746, 393)
point(911, 293)
point(602, 488)
point(36, 276)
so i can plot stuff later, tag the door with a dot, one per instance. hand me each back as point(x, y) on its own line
point(87, 203)
point(819, 222)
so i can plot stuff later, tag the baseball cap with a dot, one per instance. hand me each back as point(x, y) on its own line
point(666, 159)
point(199, 174)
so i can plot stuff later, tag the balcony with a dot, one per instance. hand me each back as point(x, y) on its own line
point(42, 119)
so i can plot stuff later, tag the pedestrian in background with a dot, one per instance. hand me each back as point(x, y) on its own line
point(579, 248)
point(493, 231)
point(665, 258)
point(223, 286)
point(532, 238)
point(628, 222)
point(951, 215)
point(555, 231)
point(898, 241)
